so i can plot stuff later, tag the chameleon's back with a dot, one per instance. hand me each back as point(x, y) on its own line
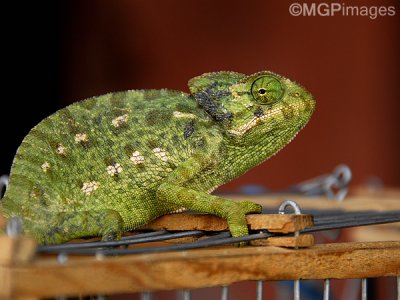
point(104, 152)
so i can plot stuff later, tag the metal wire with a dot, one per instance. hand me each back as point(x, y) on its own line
point(176, 247)
point(327, 284)
point(186, 295)
point(364, 289)
point(102, 249)
point(225, 292)
point(260, 287)
point(162, 236)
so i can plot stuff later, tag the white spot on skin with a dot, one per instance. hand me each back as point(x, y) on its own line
point(114, 169)
point(178, 114)
point(179, 210)
point(89, 187)
point(136, 158)
point(60, 149)
point(45, 166)
point(118, 121)
point(81, 137)
point(161, 154)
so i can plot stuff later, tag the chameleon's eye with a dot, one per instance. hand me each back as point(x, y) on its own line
point(267, 89)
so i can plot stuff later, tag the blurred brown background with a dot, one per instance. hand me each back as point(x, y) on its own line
point(67, 51)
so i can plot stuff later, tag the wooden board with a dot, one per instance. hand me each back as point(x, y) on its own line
point(301, 241)
point(197, 268)
point(273, 222)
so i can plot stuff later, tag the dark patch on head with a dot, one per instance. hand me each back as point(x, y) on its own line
point(208, 100)
point(189, 129)
point(157, 116)
point(259, 112)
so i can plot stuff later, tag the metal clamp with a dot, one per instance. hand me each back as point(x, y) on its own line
point(333, 185)
point(282, 208)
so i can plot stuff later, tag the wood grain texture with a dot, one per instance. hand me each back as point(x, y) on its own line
point(198, 268)
point(273, 222)
point(301, 241)
point(16, 250)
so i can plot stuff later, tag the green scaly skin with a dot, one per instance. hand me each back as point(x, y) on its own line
point(111, 163)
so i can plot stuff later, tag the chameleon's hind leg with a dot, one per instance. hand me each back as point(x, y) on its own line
point(66, 226)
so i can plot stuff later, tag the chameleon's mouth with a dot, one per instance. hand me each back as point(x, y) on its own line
point(299, 112)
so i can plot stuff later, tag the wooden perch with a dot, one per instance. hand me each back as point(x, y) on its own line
point(45, 277)
point(272, 222)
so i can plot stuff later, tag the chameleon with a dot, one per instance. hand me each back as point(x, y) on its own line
point(112, 163)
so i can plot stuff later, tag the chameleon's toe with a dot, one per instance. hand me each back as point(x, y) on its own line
point(248, 207)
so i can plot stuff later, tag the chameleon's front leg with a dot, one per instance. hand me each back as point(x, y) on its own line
point(233, 212)
point(174, 191)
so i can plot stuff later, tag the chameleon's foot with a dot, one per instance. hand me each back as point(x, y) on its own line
point(237, 221)
point(238, 230)
point(248, 207)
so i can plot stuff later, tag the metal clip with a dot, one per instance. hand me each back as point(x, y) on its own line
point(333, 185)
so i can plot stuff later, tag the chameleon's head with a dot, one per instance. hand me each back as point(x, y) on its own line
point(254, 106)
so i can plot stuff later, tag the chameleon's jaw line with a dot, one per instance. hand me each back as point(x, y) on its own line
point(299, 109)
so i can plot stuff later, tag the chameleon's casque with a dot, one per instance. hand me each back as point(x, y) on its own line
point(111, 163)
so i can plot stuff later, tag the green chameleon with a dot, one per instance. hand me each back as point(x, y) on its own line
point(112, 163)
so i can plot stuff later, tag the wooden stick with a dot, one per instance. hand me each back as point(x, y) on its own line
point(16, 250)
point(198, 268)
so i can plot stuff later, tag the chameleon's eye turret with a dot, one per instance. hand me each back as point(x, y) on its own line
point(267, 89)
